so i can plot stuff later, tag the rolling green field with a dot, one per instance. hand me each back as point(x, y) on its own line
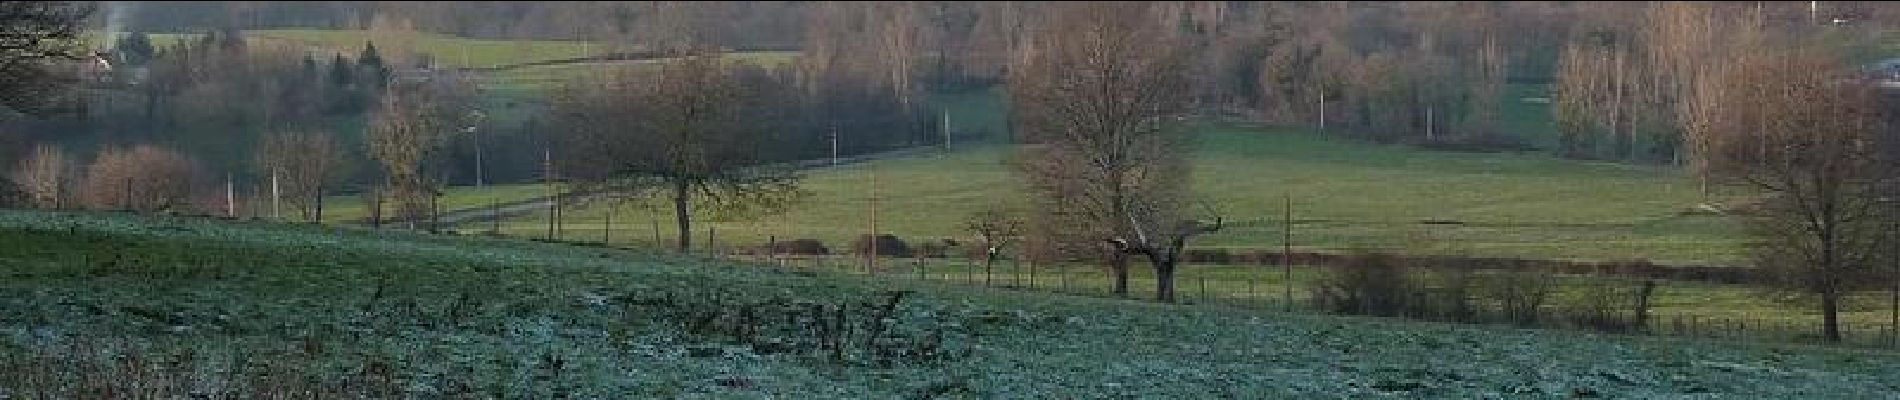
point(448, 50)
point(1346, 195)
point(104, 303)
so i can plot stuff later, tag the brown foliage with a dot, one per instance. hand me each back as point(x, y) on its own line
point(142, 178)
point(45, 178)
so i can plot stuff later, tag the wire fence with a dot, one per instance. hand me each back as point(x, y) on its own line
point(1269, 288)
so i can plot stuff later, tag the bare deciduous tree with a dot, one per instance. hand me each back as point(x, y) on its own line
point(305, 163)
point(46, 177)
point(407, 133)
point(691, 131)
point(996, 230)
point(1100, 98)
point(1794, 129)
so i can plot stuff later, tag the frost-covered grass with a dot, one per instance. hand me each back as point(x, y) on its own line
point(94, 301)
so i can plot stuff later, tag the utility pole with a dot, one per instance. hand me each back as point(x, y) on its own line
point(946, 131)
point(834, 144)
point(230, 197)
point(1322, 110)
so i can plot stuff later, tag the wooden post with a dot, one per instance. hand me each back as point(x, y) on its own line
point(276, 211)
point(1064, 271)
point(771, 250)
point(709, 241)
point(655, 219)
point(1032, 274)
point(1286, 253)
point(547, 179)
point(607, 231)
point(319, 201)
point(1204, 297)
point(230, 197)
point(870, 265)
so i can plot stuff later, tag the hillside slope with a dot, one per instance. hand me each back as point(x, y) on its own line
point(95, 304)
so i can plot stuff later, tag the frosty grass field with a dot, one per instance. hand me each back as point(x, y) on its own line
point(98, 302)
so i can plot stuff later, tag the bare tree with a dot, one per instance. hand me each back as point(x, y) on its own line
point(996, 229)
point(37, 33)
point(305, 162)
point(691, 131)
point(1100, 96)
point(407, 134)
point(1792, 128)
point(46, 177)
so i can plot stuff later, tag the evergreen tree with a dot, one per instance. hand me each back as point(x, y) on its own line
point(135, 49)
point(340, 73)
point(372, 63)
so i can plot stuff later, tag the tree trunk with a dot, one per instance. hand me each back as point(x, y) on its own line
point(1119, 263)
point(1831, 316)
point(989, 261)
point(681, 213)
point(1164, 279)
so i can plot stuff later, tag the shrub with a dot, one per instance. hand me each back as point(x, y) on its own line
point(1449, 294)
point(1367, 284)
point(801, 247)
point(1612, 305)
point(887, 246)
point(144, 178)
point(1518, 295)
point(1209, 256)
point(10, 194)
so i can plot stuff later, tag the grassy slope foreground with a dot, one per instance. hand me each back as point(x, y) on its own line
point(93, 305)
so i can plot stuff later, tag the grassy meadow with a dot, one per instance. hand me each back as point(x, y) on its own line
point(108, 303)
point(1346, 195)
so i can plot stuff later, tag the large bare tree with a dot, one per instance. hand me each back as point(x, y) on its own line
point(693, 131)
point(37, 33)
point(1792, 127)
point(1100, 95)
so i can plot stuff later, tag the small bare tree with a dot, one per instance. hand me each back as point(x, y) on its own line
point(406, 135)
point(46, 177)
point(693, 131)
point(996, 230)
point(305, 163)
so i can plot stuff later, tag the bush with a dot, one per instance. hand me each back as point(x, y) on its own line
point(1518, 295)
point(1209, 256)
point(1612, 305)
point(143, 178)
point(10, 194)
point(1449, 295)
point(887, 246)
point(801, 247)
point(936, 248)
point(1366, 284)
